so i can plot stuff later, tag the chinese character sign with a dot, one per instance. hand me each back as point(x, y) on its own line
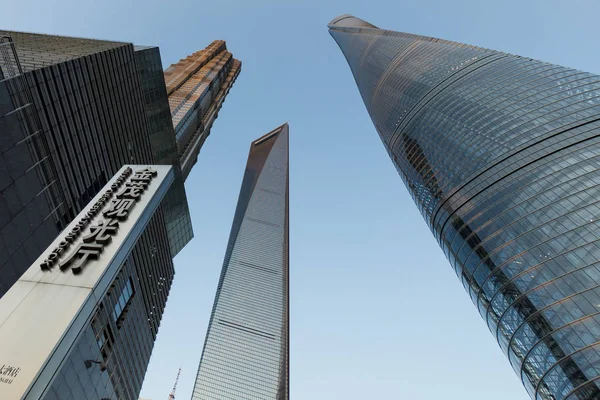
point(100, 235)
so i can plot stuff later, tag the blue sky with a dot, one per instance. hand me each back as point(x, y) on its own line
point(376, 310)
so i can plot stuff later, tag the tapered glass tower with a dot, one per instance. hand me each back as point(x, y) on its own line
point(501, 154)
point(246, 352)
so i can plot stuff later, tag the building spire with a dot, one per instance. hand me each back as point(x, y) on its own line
point(172, 395)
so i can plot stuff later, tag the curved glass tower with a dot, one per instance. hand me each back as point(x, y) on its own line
point(501, 154)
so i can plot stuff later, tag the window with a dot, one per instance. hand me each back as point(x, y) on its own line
point(123, 302)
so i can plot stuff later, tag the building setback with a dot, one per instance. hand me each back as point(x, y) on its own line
point(197, 86)
point(501, 155)
point(246, 351)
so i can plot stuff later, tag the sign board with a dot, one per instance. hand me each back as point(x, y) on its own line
point(42, 315)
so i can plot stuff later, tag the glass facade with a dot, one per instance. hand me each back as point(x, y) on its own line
point(164, 145)
point(110, 356)
point(246, 352)
point(72, 113)
point(91, 117)
point(197, 86)
point(31, 197)
point(76, 110)
point(501, 155)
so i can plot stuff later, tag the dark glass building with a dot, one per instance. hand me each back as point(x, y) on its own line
point(72, 112)
point(246, 352)
point(164, 146)
point(501, 154)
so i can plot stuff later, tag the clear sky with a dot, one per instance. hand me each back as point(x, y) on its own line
point(376, 310)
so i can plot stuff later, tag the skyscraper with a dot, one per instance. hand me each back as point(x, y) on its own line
point(501, 154)
point(246, 351)
point(197, 86)
point(75, 110)
point(72, 113)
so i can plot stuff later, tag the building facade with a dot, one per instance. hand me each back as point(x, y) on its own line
point(501, 155)
point(161, 134)
point(246, 351)
point(197, 86)
point(73, 111)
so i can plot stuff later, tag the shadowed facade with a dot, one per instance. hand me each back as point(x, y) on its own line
point(72, 112)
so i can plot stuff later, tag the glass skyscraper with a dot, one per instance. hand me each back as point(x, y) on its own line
point(501, 154)
point(246, 351)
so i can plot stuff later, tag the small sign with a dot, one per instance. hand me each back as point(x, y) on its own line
point(8, 373)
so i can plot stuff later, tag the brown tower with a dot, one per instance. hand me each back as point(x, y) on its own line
point(197, 86)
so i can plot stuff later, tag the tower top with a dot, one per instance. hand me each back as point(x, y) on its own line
point(350, 21)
